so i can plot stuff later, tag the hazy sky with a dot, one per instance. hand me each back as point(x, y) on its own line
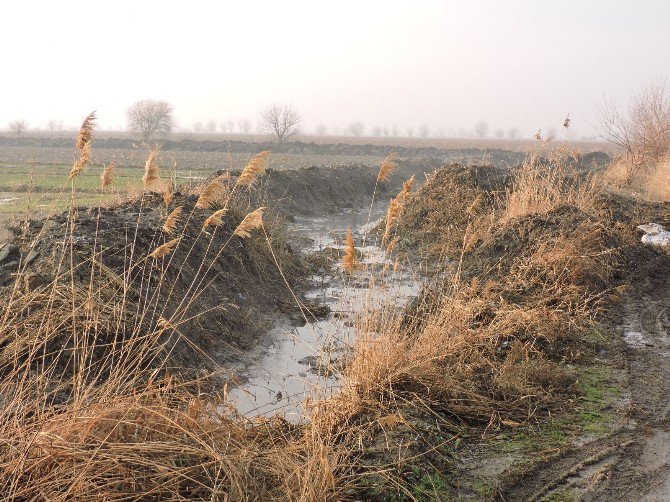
point(444, 63)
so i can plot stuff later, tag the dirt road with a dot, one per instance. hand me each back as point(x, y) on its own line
point(632, 461)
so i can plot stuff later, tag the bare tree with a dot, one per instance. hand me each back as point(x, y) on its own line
point(356, 128)
point(377, 131)
point(198, 126)
point(149, 117)
point(499, 133)
point(283, 122)
point(481, 129)
point(395, 132)
point(244, 125)
point(385, 131)
point(18, 127)
point(643, 129)
point(410, 132)
point(321, 129)
point(231, 125)
point(512, 132)
point(424, 131)
point(55, 125)
point(211, 126)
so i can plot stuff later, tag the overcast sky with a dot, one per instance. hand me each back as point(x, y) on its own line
point(445, 63)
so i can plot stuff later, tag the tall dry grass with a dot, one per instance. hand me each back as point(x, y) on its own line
point(91, 408)
point(540, 186)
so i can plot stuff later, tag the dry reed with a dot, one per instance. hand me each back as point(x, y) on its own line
point(349, 258)
point(164, 249)
point(539, 188)
point(657, 182)
point(86, 131)
point(167, 194)
point(214, 194)
point(107, 176)
point(215, 219)
point(172, 220)
point(251, 221)
point(386, 167)
point(152, 179)
point(395, 209)
point(83, 145)
point(254, 168)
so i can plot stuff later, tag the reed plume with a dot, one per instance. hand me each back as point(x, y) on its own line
point(83, 145)
point(476, 205)
point(212, 195)
point(255, 168)
point(387, 166)
point(172, 219)
point(396, 207)
point(76, 169)
point(167, 194)
point(164, 249)
point(392, 215)
point(86, 131)
point(349, 258)
point(251, 221)
point(107, 175)
point(151, 170)
point(215, 219)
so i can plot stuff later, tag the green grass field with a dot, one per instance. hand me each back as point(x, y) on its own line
point(34, 190)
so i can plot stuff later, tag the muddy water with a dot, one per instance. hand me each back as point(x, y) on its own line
point(302, 362)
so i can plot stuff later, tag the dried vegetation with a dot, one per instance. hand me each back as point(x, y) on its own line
point(92, 408)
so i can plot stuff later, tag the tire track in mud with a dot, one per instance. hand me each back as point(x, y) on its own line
point(632, 461)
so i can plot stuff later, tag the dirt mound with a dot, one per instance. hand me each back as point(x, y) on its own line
point(214, 292)
point(436, 216)
point(543, 237)
point(323, 190)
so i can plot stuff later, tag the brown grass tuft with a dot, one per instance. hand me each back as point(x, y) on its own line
point(349, 258)
point(538, 188)
point(215, 219)
point(658, 181)
point(387, 166)
point(164, 249)
point(107, 175)
point(172, 219)
point(255, 168)
point(152, 178)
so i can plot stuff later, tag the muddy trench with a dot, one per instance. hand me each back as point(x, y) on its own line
point(296, 362)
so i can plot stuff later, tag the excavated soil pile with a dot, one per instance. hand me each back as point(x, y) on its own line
point(437, 214)
point(325, 190)
point(215, 290)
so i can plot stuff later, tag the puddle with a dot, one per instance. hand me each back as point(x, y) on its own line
point(635, 339)
point(302, 362)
